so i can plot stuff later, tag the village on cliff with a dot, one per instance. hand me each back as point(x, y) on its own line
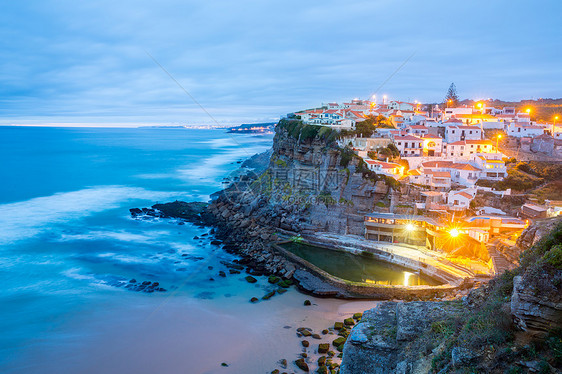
point(455, 156)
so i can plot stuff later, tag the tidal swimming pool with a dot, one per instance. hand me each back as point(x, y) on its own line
point(358, 268)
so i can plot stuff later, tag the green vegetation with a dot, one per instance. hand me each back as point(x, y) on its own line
point(451, 99)
point(346, 155)
point(546, 170)
point(550, 191)
point(516, 180)
point(299, 130)
point(488, 330)
point(367, 127)
point(326, 198)
point(297, 239)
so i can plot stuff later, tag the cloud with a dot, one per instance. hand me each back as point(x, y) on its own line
point(249, 60)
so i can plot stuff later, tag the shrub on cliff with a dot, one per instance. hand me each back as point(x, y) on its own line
point(303, 132)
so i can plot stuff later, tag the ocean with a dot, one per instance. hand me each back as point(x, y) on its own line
point(68, 246)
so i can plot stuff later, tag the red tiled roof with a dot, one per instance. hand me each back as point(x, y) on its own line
point(407, 137)
point(464, 194)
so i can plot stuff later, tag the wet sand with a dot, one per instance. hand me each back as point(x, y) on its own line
point(180, 334)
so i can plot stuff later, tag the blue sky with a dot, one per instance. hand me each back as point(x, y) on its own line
point(244, 61)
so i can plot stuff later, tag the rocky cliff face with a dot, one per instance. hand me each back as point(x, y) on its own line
point(304, 188)
point(389, 338)
point(310, 174)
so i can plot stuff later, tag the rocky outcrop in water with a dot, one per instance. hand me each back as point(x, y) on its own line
point(189, 212)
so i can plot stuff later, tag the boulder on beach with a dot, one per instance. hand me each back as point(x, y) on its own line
point(323, 348)
point(338, 341)
point(302, 364)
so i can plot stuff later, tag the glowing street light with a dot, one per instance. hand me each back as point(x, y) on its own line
point(498, 137)
point(410, 227)
point(554, 125)
point(528, 110)
point(454, 233)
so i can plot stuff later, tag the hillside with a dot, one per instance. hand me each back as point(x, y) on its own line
point(511, 325)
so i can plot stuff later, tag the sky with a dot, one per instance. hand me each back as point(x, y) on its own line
point(70, 62)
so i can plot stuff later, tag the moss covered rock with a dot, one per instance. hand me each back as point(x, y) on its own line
point(323, 348)
point(338, 341)
point(250, 279)
point(302, 364)
point(305, 343)
point(338, 325)
point(349, 322)
point(273, 279)
point(268, 295)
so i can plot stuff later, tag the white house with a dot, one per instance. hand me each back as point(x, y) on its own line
point(450, 112)
point(458, 133)
point(401, 105)
point(466, 148)
point(409, 145)
point(522, 129)
point(459, 200)
point(391, 169)
point(491, 164)
point(432, 145)
point(418, 130)
point(436, 180)
point(461, 173)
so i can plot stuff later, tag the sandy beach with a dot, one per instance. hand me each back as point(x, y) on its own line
point(184, 335)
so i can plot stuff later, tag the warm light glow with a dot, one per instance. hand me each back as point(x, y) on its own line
point(499, 136)
point(556, 118)
point(528, 110)
point(410, 227)
point(407, 276)
point(454, 233)
point(479, 105)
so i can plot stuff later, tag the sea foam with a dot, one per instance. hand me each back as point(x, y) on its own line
point(28, 218)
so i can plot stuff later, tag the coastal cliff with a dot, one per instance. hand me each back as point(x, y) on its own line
point(309, 184)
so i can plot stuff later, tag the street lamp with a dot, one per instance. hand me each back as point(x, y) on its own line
point(498, 137)
point(454, 233)
point(554, 125)
point(410, 227)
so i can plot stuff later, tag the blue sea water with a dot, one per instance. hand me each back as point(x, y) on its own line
point(66, 237)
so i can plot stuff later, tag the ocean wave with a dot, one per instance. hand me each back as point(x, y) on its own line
point(28, 218)
point(212, 167)
point(122, 235)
